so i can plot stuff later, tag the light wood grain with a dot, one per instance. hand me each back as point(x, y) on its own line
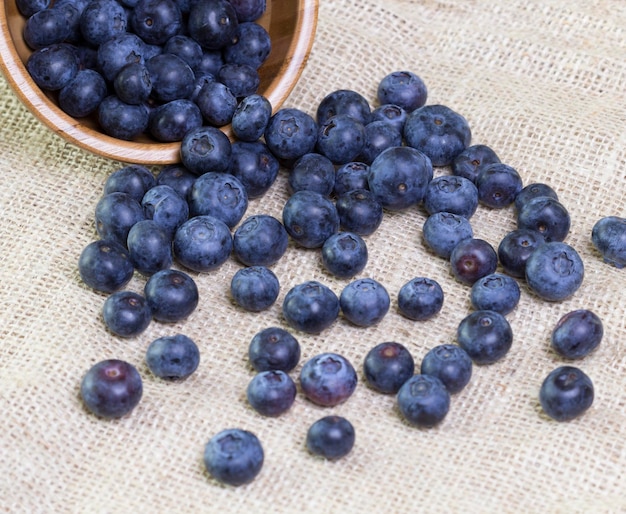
point(290, 23)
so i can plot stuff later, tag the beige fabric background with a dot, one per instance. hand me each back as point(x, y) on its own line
point(543, 83)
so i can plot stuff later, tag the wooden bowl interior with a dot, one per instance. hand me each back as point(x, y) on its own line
point(290, 23)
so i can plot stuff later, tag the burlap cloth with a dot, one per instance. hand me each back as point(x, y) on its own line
point(543, 83)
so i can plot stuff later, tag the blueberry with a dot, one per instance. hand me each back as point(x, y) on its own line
point(202, 243)
point(420, 298)
point(111, 388)
point(344, 102)
point(255, 167)
point(172, 295)
point(171, 121)
point(577, 334)
point(310, 307)
point(515, 248)
point(255, 288)
point(454, 194)
point(29, 7)
point(473, 259)
point(312, 172)
point(290, 134)
point(45, 27)
point(179, 178)
point(341, 138)
point(234, 456)
point(217, 103)
point(210, 62)
point(328, 379)
point(310, 218)
point(133, 84)
point(205, 149)
point(212, 23)
point(165, 207)
point(388, 366)
point(121, 120)
point(344, 254)
point(423, 400)
point(115, 214)
point(184, 47)
point(173, 357)
point(116, 53)
point(260, 240)
point(274, 348)
point(220, 195)
point(392, 114)
point(364, 302)
point(609, 238)
point(149, 247)
point(449, 363)
point(545, 215)
point(437, 131)
point(403, 88)
point(495, 292)
point(251, 117)
point(201, 79)
point(554, 271)
point(331, 437)
point(104, 265)
point(532, 191)
point(498, 185)
point(399, 177)
point(486, 336)
point(379, 135)
point(349, 176)
point(359, 212)
point(249, 10)
point(470, 161)
point(443, 231)
point(242, 79)
point(102, 20)
point(252, 45)
point(52, 67)
point(271, 393)
point(126, 313)
point(156, 21)
point(134, 179)
point(171, 77)
point(566, 393)
point(83, 94)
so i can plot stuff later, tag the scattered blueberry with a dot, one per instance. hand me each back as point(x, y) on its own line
point(202, 243)
point(359, 212)
point(328, 379)
point(260, 240)
point(312, 172)
point(349, 176)
point(251, 117)
point(532, 191)
point(310, 307)
point(498, 185)
point(149, 247)
point(449, 363)
point(310, 218)
point(566, 393)
point(271, 393)
point(364, 302)
point(111, 388)
point(344, 102)
point(420, 298)
point(473, 259)
point(577, 334)
point(388, 366)
point(115, 215)
point(392, 114)
point(515, 248)
point(471, 160)
point(402, 88)
point(609, 237)
point(423, 400)
point(133, 179)
point(126, 313)
point(220, 195)
point(495, 292)
point(443, 231)
point(486, 336)
point(344, 254)
point(165, 207)
point(173, 357)
point(291, 133)
point(105, 265)
point(545, 215)
point(234, 456)
point(451, 193)
point(554, 271)
point(274, 348)
point(331, 437)
point(255, 288)
point(172, 295)
point(254, 166)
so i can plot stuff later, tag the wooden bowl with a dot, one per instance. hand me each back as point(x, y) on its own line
point(290, 23)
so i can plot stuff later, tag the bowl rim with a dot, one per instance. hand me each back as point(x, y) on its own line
point(103, 145)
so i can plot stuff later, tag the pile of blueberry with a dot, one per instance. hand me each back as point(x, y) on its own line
point(157, 67)
point(347, 166)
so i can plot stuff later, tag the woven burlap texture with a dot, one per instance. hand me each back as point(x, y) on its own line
point(542, 83)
